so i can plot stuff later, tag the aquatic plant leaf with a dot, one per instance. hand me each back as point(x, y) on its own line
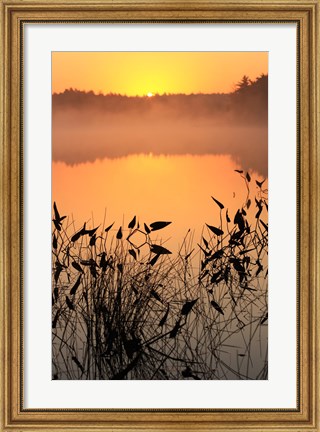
point(119, 234)
point(132, 346)
point(227, 217)
point(248, 204)
point(77, 266)
point(156, 296)
point(215, 230)
point(218, 203)
point(248, 177)
point(75, 286)
point(80, 233)
point(57, 273)
point(188, 255)
point(120, 267)
point(91, 232)
point(132, 252)
point(93, 240)
point(238, 220)
point(54, 242)
point(56, 293)
point(132, 223)
point(217, 307)
point(109, 227)
point(56, 213)
point(186, 308)
point(239, 171)
point(155, 226)
point(57, 225)
point(175, 330)
point(154, 260)
point(69, 303)
point(90, 262)
point(147, 229)
point(159, 250)
point(165, 317)
point(206, 253)
point(215, 277)
point(218, 254)
point(55, 319)
point(237, 265)
point(259, 184)
point(205, 242)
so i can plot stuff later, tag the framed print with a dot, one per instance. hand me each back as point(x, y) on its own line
point(159, 237)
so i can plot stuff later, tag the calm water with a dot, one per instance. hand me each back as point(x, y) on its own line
point(154, 188)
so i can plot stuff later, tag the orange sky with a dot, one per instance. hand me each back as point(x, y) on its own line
point(140, 73)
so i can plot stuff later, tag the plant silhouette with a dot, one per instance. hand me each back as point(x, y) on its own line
point(122, 310)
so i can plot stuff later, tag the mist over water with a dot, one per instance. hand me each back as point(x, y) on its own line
point(88, 127)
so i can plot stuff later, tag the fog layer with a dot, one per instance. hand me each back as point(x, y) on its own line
point(87, 127)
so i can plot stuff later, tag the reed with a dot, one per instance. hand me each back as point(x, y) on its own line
point(126, 307)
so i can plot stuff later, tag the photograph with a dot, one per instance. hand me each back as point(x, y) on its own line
point(159, 215)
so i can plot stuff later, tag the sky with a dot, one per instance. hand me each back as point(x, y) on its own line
point(140, 73)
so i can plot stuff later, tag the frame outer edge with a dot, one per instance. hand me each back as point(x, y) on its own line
point(7, 226)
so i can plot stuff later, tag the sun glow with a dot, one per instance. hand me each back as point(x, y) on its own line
point(149, 94)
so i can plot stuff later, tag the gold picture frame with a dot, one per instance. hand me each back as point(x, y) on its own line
point(13, 415)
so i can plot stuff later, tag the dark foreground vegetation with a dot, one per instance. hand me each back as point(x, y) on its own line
point(126, 307)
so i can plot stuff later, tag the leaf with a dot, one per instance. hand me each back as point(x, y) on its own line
point(156, 295)
point(154, 260)
point(77, 266)
point(259, 184)
point(55, 319)
point(217, 307)
point(248, 177)
point(109, 227)
point(218, 203)
point(57, 225)
point(75, 286)
point(56, 213)
point(147, 229)
point(175, 330)
point(132, 252)
point(216, 231)
point(93, 240)
point(215, 277)
point(132, 223)
point(158, 225)
point(165, 317)
point(80, 233)
point(119, 234)
point(188, 255)
point(248, 203)
point(159, 250)
point(186, 308)
point(205, 242)
point(227, 217)
point(91, 232)
point(76, 236)
point(69, 303)
point(239, 171)
point(54, 242)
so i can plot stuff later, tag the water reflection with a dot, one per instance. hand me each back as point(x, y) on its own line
point(168, 188)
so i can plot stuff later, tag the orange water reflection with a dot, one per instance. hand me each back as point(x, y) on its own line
point(154, 188)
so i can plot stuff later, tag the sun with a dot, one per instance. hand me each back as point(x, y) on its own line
point(150, 94)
